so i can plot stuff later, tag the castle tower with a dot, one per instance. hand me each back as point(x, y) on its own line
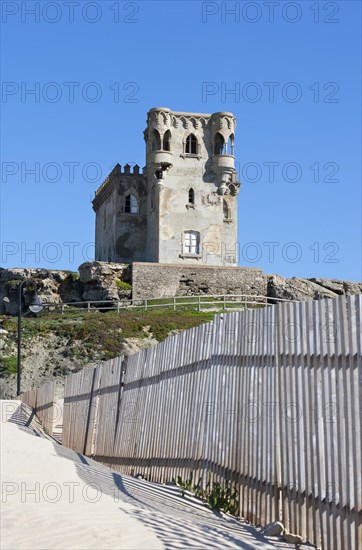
point(183, 207)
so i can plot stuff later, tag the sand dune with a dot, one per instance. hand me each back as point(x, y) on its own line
point(55, 498)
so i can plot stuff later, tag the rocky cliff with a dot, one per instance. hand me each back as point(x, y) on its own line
point(94, 281)
point(102, 281)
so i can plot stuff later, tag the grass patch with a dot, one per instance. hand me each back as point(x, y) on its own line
point(9, 365)
point(102, 333)
point(122, 285)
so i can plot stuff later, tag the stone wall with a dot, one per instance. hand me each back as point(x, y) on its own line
point(151, 280)
point(103, 281)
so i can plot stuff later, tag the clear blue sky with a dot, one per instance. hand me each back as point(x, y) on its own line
point(98, 67)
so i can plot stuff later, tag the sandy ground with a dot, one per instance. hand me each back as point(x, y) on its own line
point(52, 497)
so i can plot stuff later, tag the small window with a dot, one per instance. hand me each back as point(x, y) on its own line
point(131, 205)
point(191, 242)
point(226, 210)
point(230, 148)
point(191, 145)
point(220, 147)
point(191, 196)
point(167, 141)
point(156, 141)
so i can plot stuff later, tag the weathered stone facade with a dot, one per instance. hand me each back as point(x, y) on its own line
point(121, 236)
point(182, 208)
point(150, 280)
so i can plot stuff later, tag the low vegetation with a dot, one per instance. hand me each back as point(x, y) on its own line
point(96, 335)
point(218, 496)
point(10, 365)
point(122, 285)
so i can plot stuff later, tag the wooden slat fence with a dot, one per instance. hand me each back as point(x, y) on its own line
point(42, 401)
point(267, 399)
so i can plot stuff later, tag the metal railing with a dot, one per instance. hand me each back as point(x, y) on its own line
point(204, 302)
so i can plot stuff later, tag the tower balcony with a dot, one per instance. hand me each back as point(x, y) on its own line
point(159, 157)
point(223, 163)
point(223, 166)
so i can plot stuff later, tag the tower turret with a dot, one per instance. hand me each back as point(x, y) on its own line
point(183, 207)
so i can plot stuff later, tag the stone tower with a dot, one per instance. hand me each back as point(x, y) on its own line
point(182, 208)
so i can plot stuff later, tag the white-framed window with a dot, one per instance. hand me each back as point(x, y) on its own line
point(191, 242)
point(131, 205)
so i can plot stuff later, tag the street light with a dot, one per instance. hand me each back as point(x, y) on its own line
point(35, 306)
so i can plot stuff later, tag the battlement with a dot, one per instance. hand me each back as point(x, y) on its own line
point(109, 184)
point(163, 116)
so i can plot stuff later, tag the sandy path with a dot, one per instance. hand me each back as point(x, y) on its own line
point(55, 498)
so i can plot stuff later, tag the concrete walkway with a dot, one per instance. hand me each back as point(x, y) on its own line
point(55, 498)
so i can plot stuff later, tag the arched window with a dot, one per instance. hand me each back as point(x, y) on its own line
point(167, 141)
point(219, 148)
point(226, 210)
point(191, 196)
point(191, 145)
point(191, 242)
point(156, 141)
point(131, 205)
point(230, 149)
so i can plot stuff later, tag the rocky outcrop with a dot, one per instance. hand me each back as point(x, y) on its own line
point(105, 281)
point(47, 283)
point(339, 287)
point(296, 288)
point(95, 281)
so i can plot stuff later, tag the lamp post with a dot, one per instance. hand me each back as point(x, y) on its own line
point(35, 306)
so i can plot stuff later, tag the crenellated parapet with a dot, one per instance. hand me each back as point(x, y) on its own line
point(109, 185)
point(164, 118)
point(208, 138)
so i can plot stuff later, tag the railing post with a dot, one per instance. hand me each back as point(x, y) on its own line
point(199, 304)
point(117, 306)
point(88, 307)
point(224, 302)
point(146, 304)
point(174, 303)
point(62, 309)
